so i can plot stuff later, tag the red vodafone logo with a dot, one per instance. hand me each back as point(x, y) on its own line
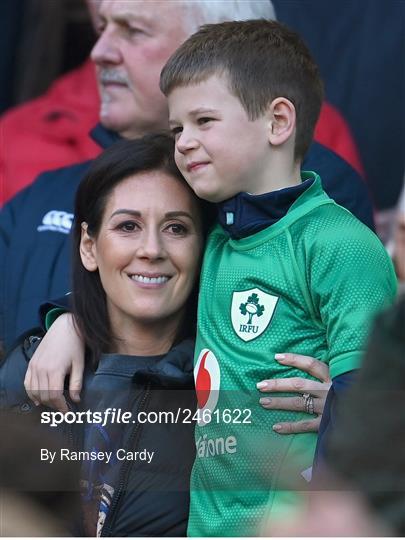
point(207, 380)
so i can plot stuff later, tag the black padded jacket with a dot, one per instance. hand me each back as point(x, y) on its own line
point(137, 496)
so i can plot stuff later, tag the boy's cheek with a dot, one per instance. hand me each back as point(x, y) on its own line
point(188, 180)
point(180, 163)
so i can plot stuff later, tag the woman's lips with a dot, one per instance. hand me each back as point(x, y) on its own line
point(150, 281)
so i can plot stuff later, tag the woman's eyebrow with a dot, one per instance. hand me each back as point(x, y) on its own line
point(136, 213)
point(126, 211)
point(179, 213)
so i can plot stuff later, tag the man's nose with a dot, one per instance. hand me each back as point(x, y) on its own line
point(106, 49)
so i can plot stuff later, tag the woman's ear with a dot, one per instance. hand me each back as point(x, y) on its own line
point(88, 250)
point(282, 121)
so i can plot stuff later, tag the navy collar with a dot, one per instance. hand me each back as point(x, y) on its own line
point(104, 137)
point(245, 214)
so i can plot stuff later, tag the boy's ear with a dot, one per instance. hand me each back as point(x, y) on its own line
point(282, 120)
point(88, 250)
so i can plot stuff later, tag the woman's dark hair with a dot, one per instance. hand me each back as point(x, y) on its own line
point(117, 163)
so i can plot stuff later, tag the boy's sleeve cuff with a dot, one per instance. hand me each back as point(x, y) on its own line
point(64, 304)
point(52, 315)
point(345, 362)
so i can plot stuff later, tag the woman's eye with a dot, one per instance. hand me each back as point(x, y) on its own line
point(127, 226)
point(177, 229)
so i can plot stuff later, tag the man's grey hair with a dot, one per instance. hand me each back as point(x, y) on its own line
point(199, 12)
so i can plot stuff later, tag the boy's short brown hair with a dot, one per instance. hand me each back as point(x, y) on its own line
point(262, 60)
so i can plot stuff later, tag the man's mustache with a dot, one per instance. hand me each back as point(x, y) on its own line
point(112, 75)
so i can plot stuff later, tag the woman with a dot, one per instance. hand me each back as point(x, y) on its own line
point(138, 240)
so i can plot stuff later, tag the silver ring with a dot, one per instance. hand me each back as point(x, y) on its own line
point(308, 403)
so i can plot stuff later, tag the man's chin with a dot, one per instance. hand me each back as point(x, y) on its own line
point(126, 126)
point(112, 123)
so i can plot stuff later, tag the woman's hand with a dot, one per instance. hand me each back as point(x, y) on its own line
point(61, 352)
point(316, 390)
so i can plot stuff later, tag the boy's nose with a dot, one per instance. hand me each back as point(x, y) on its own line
point(185, 142)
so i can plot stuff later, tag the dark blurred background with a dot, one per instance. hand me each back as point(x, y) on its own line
point(360, 48)
point(40, 40)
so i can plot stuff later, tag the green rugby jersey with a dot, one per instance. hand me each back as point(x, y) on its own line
point(308, 284)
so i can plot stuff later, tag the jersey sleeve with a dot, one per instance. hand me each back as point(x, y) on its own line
point(351, 279)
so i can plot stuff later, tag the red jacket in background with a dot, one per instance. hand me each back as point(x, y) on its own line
point(332, 131)
point(52, 131)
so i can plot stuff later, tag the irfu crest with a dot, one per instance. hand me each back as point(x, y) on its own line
point(251, 312)
point(252, 308)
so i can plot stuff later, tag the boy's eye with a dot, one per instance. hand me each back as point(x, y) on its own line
point(204, 120)
point(176, 131)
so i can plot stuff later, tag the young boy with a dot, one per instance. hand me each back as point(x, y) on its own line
point(286, 268)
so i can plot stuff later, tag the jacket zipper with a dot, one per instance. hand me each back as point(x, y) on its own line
point(73, 441)
point(124, 473)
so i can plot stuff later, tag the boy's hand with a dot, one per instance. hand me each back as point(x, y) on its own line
point(61, 352)
point(317, 390)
